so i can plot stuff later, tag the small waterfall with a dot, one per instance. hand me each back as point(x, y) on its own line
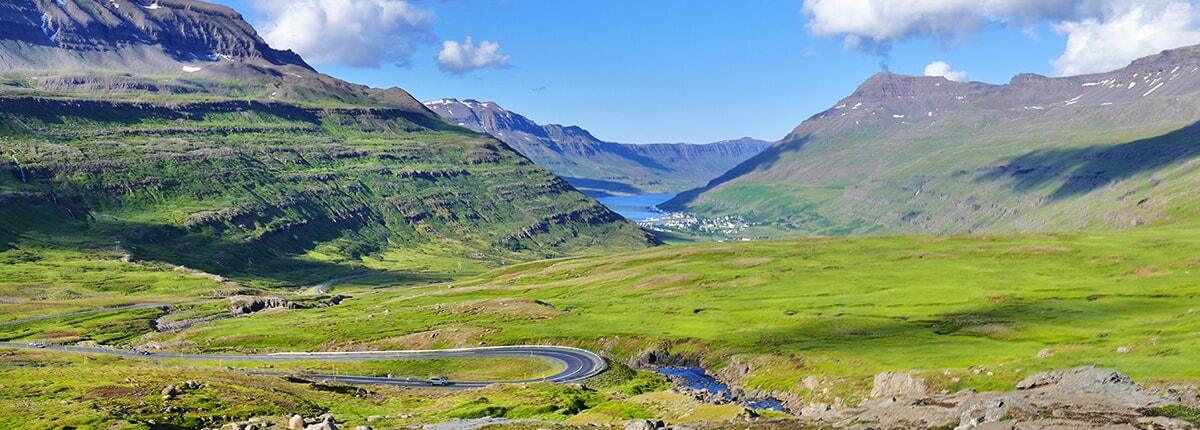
point(19, 168)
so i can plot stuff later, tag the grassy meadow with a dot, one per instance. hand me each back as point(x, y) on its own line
point(813, 319)
point(122, 392)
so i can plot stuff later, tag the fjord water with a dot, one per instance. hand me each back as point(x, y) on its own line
point(636, 207)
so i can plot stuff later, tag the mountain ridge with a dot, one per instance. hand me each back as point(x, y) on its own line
point(915, 154)
point(595, 165)
point(252, 165)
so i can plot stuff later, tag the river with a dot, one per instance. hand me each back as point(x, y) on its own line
point(637, 207)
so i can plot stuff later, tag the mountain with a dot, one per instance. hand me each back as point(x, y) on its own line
point(909, 154)
point(597, 166)
point(172, 132)
point(138, 49)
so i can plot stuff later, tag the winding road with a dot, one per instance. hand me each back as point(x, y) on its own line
point(578, 364)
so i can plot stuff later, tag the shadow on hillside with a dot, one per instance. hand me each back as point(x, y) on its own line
point(629, 153)
point(134, 113)
point(264, 264)
point(997, 322)
point(269, 263)
point(1078, 171)
point(764, 160)
point(607, 186)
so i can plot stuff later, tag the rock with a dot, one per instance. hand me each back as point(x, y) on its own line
point(897, 384)
point(296, 423)
point(363, 428)
point(639, 425)
point(993, 410)
point(243, 305)
point(327, 423)
point(1086, 379)
point(816, 409)
point(375, 418)
point(170, 392)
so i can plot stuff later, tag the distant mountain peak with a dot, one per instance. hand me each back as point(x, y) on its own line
point(592, 164)
point(908, 154)
point(158, 34)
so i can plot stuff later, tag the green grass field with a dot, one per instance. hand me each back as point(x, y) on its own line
point(119, 392)
point(835, 308)
point(970, 311)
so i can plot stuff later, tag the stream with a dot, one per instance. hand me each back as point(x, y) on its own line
point(696, 379)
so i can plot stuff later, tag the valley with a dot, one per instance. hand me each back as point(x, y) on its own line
point(200, 231)
point(596, 167)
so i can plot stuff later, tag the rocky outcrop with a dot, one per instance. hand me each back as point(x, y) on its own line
point(185, 29)
point(897, 384)
point(245, 305)
point(1077, 398)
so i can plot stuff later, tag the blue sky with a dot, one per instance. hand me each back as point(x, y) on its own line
point(702, 71)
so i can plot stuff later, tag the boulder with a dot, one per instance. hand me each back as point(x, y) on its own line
point(296, 423)
point(170, 392)
point(639, 425)
point(897, 384)
point(327, 423)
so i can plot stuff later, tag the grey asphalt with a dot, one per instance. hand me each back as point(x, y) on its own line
point(578, 364)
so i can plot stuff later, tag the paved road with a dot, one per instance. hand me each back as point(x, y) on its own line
point(578, 364)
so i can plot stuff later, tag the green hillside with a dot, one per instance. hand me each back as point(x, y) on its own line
point(907, 154)
point(281, 193)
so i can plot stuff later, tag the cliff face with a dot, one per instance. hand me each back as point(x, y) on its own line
point(184, 30)
point(915, 154)
point(170, 48)
point(595, 165)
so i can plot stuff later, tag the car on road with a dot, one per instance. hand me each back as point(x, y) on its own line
point(438, 381)
point(38, 345)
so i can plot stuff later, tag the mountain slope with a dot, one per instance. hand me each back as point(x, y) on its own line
point(253, 165)
point(595, 165)
point(906, 154)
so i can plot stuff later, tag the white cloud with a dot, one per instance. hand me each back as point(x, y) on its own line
point(459, 58)
point(866, 23)
point(360, 33)
point(1101, 34)
point(1124, 31)
point(941, 68)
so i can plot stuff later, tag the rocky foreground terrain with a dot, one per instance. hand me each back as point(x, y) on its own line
point(1078, 398)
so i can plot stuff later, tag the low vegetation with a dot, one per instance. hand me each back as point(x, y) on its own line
point(275, 194)
point(812, 319)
